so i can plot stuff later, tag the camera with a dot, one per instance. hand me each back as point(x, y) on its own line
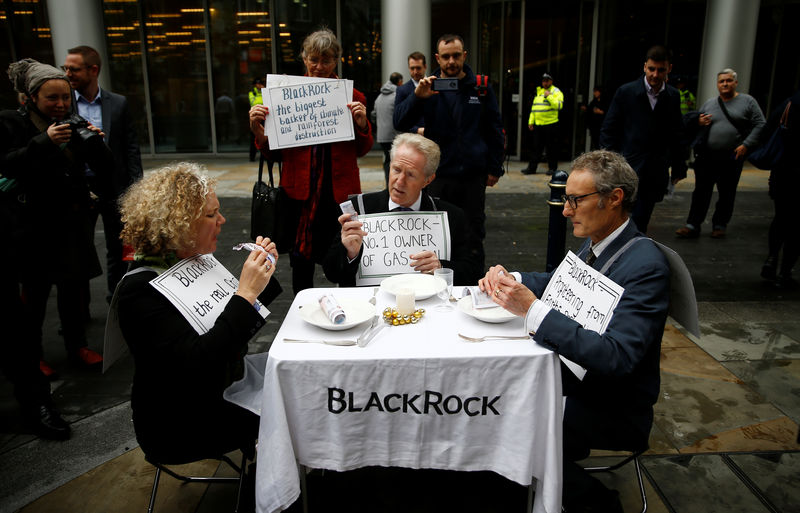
point(445, 84)
point(81, 135)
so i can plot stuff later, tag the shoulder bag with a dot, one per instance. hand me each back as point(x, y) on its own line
point(265, 207)
point(769, 154)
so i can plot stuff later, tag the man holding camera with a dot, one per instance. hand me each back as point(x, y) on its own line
point(109, 112)
point(461, 115)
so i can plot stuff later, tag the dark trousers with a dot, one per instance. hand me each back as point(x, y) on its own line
point(545, 137)
point(590, 426)
point(783, 231)
point(641, 213)
point(20, 361)
point(112, 226)
point(469, 193)
point(722, 170)
point(386, 147)
point(71, 303)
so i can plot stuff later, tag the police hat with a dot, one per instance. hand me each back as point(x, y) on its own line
point(547, 76)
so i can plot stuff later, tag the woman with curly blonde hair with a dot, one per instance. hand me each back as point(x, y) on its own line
point(179, 413)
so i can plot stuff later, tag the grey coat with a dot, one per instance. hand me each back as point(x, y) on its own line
point(383, 112)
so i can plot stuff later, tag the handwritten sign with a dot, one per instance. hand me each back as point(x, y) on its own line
point(392, 237)
point(199, 287)
point(306, 112)
point(584, 295)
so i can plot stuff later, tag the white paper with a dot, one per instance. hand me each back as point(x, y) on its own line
point(584, 295)
point(307, 110)
point(392, 237)
point(199, 287)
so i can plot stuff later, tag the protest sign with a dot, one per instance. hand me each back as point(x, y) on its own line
point(392, 237)
point(199, 287)
point(306, 112)
point(584, 295)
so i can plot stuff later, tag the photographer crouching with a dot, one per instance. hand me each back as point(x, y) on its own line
point(45, 149)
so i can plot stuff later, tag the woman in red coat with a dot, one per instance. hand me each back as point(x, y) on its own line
point(321, 176)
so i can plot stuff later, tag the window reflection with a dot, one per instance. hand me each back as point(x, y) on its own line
point(241, 50)
point(123, 32)
point(175, 39)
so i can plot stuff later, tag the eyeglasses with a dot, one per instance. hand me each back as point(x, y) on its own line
point(326, 61)
point(70, 69)
point(573, 200)
point(652, 69)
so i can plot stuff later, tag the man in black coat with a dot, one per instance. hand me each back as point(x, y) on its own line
point(413, 167)
point(109, 112)
point(644, 124)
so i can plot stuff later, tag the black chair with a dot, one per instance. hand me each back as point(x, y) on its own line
point(162, 466)
point(634, 457)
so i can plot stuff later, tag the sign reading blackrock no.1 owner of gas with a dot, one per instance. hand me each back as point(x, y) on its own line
point(392, 237)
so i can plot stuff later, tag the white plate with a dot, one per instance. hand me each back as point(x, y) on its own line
point(495, 314)
point(355, 311)
point(423, 285)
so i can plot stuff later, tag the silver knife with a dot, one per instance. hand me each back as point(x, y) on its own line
point(329, 342)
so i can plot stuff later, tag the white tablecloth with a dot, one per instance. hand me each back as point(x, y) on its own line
point(417, 396)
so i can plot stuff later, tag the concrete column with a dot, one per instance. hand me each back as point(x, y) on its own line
point(78, 22)
point(405, 28)
point(729, 41)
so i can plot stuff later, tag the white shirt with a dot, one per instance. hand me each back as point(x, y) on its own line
point(651, 94)
point(538, 310)
point(91, 111)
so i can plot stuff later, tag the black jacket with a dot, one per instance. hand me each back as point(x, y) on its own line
point(466, 263)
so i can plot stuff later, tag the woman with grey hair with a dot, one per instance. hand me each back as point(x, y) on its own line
point(46, 155)
point(320, 176)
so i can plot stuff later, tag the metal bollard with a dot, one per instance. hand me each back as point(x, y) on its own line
point(557, 228)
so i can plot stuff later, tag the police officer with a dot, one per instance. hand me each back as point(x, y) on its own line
point(543, 122)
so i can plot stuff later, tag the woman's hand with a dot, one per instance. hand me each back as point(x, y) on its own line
point(96, 130)
point(257, 270)
point(258, 114)
point(59, 134)
point(359, 111)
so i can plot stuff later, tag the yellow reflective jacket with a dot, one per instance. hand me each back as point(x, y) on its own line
point(544, 110)
point(255, 96)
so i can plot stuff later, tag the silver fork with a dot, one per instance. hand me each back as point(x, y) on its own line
point(493, 337)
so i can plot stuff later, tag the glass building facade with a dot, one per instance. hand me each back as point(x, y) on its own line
point(186, 66)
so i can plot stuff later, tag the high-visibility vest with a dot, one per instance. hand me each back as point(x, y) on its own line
point(688, 101)
point(544, 111)
point(255, 97)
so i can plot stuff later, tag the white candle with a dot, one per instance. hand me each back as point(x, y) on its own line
point(405, 301)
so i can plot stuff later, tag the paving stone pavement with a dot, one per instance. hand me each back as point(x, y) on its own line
point(726, 424)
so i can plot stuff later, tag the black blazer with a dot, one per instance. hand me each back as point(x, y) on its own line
point(466, 263)
point(121, 138)
point(651, 140)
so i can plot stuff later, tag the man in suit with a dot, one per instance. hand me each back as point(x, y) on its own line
point(413, 166)
point(109, 112)
point(612, 407)
point(644, 124)
point(416, 69)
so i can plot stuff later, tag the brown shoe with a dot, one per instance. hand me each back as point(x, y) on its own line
point(687, 233)
point(718, 233)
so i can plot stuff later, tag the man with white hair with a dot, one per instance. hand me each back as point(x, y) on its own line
point(414, 160)
point(731, 125)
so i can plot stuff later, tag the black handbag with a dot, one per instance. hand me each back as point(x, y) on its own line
point(265, 208)
point(769, 154)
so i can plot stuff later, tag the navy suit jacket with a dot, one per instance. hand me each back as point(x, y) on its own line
point(465, 255)
point(651, 140)
point(121, 138)
point(622, 364)
point(401, 94)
